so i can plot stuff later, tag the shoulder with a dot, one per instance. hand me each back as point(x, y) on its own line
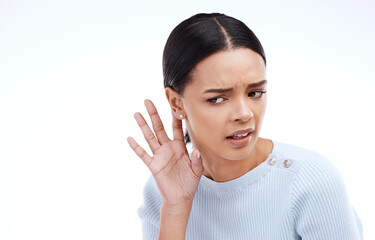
point(315, 177)
point(306, 163)
point(319, 201)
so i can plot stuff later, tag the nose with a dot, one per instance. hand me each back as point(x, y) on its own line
point(242, 111)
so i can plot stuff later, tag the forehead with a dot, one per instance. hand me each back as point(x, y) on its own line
point(229, 69)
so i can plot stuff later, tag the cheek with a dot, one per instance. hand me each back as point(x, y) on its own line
point(209, 125)
point(205, 121)
point(204, 124)
point(261, 110)
point(259, 114)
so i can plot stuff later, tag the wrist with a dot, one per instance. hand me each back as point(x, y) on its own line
point(179, 209)
point(173, 221)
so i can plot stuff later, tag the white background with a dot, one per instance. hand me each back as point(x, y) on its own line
point(73, 72)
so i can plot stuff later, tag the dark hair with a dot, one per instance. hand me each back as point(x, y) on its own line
point(199, 37)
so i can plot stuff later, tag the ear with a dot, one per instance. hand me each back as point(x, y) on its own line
point(175, 102)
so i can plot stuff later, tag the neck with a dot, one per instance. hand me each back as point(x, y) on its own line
point(222, 170)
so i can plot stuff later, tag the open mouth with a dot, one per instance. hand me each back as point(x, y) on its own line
point(241, 133)
point(239, 136)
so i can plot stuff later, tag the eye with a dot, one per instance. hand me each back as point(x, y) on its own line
point(256, 94)
point(216, 100)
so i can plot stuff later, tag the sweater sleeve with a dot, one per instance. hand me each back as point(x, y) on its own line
point(149, 212)
point(320, 204)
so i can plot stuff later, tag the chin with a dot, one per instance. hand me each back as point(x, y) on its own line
point(236, 154)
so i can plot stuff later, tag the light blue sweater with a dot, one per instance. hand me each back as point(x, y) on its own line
point(294, 194)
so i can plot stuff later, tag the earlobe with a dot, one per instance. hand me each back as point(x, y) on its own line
point(175, 102)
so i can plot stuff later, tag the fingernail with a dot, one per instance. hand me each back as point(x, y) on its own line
point(198, 155)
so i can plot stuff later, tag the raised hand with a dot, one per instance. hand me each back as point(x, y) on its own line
point(176, 175)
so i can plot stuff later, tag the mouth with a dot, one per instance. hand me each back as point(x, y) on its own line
point(240, 138)
point(241, 134)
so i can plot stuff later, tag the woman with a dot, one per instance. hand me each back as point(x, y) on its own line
point(234, 184)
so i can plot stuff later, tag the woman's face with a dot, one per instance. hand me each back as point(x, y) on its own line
point(225, 103)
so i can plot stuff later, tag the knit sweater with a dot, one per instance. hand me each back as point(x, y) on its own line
point(294, 194)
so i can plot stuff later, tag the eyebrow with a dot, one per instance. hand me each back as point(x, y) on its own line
point(223, 90)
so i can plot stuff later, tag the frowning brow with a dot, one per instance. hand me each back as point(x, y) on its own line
point(224, 90)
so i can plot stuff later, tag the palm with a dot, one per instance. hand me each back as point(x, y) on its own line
point(176, 175)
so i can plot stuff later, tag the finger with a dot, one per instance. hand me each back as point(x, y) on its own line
point(157, 124)
point(141, 153)
point(196, 163)
point(178, 134)
point(147, 133)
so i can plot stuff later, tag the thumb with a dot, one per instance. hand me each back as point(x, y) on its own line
point(196, 163)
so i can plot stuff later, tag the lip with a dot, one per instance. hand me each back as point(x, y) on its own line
point(244, 131)
point(242, 142)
